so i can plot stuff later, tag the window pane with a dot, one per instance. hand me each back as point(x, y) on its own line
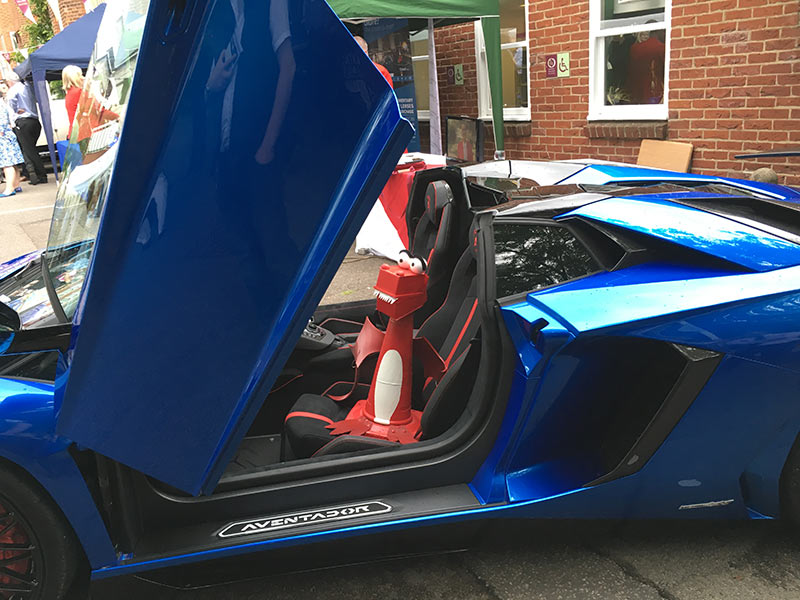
point(618, 13)
point(530, 257)
point(512, 21)
point(421, 84)
point(635, 68)
point(515, 77)
point(419, 43)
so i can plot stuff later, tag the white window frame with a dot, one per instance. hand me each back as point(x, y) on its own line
point(423, 115)
point(14, 45)
point(598, 111)
point(484, 93)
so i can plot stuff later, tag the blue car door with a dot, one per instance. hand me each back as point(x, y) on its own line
point(256, 138)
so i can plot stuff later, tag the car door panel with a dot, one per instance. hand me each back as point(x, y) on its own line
point(212, 254)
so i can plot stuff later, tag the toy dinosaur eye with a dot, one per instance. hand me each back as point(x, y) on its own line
point(417, 265)
point(404, 260)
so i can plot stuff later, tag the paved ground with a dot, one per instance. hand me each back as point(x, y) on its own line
point(354, 280)
point(552, 561)
point(25, 219)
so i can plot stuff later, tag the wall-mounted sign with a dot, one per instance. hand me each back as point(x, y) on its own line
point(451, 75)
point(563, 64)
point(459, 74)
point(551, 65)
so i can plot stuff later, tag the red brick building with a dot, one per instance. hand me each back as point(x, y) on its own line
point(723, 75)
point(12, 21)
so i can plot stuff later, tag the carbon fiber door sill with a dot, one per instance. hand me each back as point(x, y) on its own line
point(214, 536)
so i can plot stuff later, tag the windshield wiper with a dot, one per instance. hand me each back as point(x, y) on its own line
point(51, 291)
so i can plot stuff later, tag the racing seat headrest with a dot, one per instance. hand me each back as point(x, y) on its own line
point(437, 195)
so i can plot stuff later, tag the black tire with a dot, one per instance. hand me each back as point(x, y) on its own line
point(38, 550)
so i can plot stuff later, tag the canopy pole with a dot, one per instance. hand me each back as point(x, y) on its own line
point(494, 63)
point(433, 94)
point(43, 100)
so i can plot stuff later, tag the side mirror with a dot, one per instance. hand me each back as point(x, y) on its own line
point(9, 324)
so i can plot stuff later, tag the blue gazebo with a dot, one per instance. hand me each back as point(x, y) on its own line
point(72, 46)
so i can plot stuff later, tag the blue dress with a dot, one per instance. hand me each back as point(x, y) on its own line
point(10, 154)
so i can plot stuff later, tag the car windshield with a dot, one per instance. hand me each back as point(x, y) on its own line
point(91, 151)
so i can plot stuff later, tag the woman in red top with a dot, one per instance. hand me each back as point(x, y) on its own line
point(72, 78)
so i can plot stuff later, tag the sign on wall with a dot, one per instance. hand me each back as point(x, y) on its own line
point(458, 75)
point(551, 65)
point(557, 65)
point(390, 45)
point(563, 64)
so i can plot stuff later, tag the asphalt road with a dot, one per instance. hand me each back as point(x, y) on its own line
point(553, 561)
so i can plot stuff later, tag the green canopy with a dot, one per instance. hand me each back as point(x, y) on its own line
point(353, 9)
point(487, 10)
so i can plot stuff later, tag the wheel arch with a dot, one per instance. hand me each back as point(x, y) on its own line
point(765, 480)
point(29, 447)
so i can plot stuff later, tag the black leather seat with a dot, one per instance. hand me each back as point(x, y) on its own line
point(433, 240)
point(451, 331)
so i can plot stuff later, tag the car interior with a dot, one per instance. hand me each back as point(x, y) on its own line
point(322, 381)
point(326, 376)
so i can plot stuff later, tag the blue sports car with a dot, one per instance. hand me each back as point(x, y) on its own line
point(570, 340)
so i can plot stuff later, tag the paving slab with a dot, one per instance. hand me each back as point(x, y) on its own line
point(25, 219)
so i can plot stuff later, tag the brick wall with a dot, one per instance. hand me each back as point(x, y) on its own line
point(736, 82)
point(734, 85)
point(456, 45)
point(11, 19)
point(71, 10)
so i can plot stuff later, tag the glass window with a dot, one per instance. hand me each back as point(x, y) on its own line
point(629, 47)
point(92, 148)
point(419, 59)
point(515, 63)
point(529, 257)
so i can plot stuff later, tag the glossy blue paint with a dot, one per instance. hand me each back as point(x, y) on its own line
point(746, 404)
point(763, 330)
point(27, 439)
point(695, 229)
point(609, 299)
point(534, 352)
point(207, 263)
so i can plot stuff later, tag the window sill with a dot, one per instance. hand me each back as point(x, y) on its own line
point(627, 130)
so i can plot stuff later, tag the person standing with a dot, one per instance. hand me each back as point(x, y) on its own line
point(10, 153)
point(72, 80)
point(27, 127)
